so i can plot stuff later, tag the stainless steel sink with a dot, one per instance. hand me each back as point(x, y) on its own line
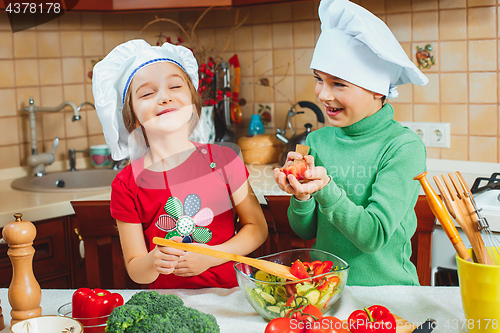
point(67, 181)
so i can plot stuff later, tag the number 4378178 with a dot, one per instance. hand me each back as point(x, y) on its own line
point(33, 8)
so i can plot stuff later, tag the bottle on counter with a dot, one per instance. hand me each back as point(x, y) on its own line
point(256, 126)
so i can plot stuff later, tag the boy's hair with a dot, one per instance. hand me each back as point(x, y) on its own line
point(129, 118)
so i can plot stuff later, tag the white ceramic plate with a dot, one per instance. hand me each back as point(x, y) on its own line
point(48, 324)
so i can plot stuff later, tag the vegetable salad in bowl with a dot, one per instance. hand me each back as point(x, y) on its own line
point(321, 280)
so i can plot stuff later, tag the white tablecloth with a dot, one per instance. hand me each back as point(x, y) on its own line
point(234, 313)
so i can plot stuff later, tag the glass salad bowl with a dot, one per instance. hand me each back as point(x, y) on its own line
point(90, 325)
point(273, 297)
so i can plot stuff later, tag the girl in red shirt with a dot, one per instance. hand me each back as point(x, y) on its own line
point(147, 101)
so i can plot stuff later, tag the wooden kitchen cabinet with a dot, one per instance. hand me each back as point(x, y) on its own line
point(150, 5)
point(147, 5)
point(52, 260)
point(237, 3)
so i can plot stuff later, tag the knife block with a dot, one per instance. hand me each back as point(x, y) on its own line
point(24, 291)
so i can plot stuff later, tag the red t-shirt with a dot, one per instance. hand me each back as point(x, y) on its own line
point(191, 201)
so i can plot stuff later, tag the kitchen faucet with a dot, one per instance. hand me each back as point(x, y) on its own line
point(38, 161)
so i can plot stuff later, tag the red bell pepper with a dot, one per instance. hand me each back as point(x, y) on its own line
point(308, 265)
point(322, 268)
point(315, 264)
point(329, 282)
point(375, 319)
point(299, 270)
point(88, 305)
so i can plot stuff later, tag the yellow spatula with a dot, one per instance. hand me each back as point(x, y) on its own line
point(264, 265)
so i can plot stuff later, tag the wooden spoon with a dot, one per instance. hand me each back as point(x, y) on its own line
point(456, 201)
point(439, 210)
point(264, 265)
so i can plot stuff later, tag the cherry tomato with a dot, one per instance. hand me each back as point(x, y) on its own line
point(327, 325)
point(299, 270)
point(283, 325)
point(308, 313)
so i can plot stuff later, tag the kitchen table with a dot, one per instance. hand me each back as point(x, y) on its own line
point(234, 313)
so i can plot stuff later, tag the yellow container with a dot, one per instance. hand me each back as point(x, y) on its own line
point(480, 290)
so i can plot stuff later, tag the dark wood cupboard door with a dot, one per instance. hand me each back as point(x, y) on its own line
point(77, 262)
point(51, 262)
point(256, 2)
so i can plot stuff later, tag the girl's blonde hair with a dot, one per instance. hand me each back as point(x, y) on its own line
point(129, 118)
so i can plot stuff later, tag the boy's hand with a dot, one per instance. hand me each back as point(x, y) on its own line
point(316, 176)
point(166, 258)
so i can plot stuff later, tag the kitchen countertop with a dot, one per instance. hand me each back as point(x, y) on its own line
point(234, 313)
point(37, 206)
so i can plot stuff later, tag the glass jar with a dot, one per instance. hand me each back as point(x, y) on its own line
point(256, 126)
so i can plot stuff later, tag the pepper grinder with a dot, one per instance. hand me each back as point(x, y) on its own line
point(24, 291)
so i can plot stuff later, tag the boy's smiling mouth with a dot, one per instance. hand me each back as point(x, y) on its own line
point(330, 111)
point(167, 111)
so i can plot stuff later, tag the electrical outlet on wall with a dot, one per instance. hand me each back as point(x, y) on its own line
point(439, 135)
point(266, 112)
point(432, 134)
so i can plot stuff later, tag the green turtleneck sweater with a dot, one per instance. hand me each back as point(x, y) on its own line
point(365, 214)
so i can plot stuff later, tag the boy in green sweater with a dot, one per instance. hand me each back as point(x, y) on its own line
point(360, 196)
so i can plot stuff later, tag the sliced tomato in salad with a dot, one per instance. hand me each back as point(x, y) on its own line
point(299, 270)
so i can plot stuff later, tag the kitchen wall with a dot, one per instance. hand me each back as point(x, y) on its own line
point(51, 63)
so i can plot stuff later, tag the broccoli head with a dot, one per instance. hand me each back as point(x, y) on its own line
point(150, 312)
point(155, 303)
point(193, 320)
point(124, 317)
point(152, 324)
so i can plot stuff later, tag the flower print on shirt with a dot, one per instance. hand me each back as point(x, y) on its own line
point(186, 220)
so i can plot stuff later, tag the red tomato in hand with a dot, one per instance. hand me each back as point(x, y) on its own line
point(284, 325)
point(298, 169)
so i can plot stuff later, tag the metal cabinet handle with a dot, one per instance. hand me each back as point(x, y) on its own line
point(81, 245)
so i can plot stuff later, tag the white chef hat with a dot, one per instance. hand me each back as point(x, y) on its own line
point(358, 47)
point(111, 80)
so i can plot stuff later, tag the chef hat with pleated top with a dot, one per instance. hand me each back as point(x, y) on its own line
point(112, 77)
point(358, 47)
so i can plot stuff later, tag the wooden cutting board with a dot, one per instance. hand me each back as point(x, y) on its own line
point(403, 326)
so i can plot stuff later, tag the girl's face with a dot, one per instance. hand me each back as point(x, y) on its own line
point(161, 98)
point(345, 102)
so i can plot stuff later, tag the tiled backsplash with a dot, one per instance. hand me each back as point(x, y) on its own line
point(51, 63)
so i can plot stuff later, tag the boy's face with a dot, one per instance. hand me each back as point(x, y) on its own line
point(345, 102)
point(161, 98)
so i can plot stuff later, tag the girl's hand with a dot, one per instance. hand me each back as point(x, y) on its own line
point(166, 258)
point(191, 264)
point(316, 176)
